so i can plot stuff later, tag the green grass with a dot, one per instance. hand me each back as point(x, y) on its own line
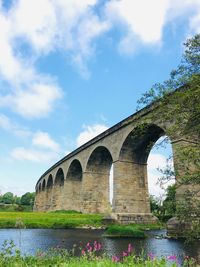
point(82, 262)
point(125, 231)
point(10, 256)
point(48, 220)
point(133, 230)
point(15, 208)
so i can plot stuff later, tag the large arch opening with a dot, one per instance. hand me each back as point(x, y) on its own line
point(160, 173)
point(58, 190)
point(73, 185)
point(130, 171)
point(97, 177)
point(139, 143)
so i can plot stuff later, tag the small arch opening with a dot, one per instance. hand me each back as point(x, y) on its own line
point(43, 185)
point(50, 182)
point(39, 188)
point(59, 180)
point(75, 171)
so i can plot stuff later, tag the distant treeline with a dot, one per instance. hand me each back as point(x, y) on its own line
point(26, 199)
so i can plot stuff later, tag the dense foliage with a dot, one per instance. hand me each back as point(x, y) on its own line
point(178, 99)
point(9, 198)
point(164, 210)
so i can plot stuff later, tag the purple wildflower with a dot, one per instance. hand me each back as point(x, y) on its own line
point(115, 259)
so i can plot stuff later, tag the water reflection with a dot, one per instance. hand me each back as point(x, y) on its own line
point(31, 240)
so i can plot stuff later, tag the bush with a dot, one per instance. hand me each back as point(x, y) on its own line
point(126, 231)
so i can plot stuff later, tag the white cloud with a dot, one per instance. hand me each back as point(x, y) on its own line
point(8, 125)
point(156, 161)
point(24, 154)
point(36, 23)
point(154, 187)
point(29, 31)
point(144, 21)
point(90, 131)
point(42, 139)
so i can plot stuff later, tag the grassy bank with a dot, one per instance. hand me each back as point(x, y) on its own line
point(15, 208)
point(48, 220)
point(135, 230)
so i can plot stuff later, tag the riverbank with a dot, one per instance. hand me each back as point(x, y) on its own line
point(68, 219)
point(49, 220)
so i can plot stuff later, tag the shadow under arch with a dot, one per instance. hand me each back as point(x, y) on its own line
point(49, 192)
point(43, 185)
point(75, 171)
point(58, 190)
point(73, 185)
point(100, 160)
point(96, 181)
point(139, 143)
point(39, 187)
point(130, 172)
point(59, 179)
point(49, 182)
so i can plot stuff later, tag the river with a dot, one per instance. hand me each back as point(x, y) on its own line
point(31, 240)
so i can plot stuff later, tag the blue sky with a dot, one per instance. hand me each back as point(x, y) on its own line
point(71, 69)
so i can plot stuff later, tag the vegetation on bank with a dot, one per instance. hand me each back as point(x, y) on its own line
point(181, 95)
point(133, 230)
point(90, 254)
point(124, 231)
point(26, 199)
point(48, 220)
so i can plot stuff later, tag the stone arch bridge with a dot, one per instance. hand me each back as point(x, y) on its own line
point(80, 181)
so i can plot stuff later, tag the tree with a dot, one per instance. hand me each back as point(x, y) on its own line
point(8, 198)
point(28, 199)
point(169, 204)
point(181, 94)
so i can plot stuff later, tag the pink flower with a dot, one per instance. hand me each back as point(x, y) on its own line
point(124, 254)
point(130, 248)
point(83, 252)
point(89, 249)
point(115, 259)
point(172, 257)
point(151, 256)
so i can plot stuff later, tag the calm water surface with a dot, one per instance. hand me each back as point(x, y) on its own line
point(32, 240)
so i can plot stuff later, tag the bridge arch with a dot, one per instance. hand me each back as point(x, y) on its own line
point(49, 192)
point(58, 189)
point(49, 182)
point(139, 142)
point(75, 171)
point(43, 185)
point(73, 185)
point(39, 187)
point(100, 160)
point(130, 170)
point(59, 177)
point(96, 181)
